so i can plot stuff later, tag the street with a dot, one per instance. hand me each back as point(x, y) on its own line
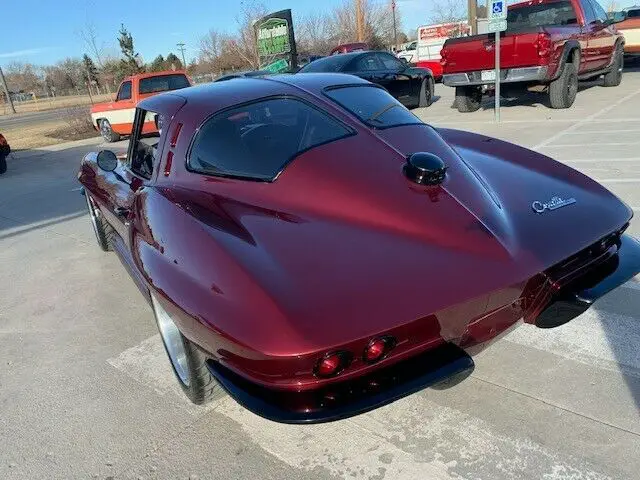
point(87, 391)
point(33, 118)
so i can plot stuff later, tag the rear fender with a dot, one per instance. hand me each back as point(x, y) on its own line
point(570, 48)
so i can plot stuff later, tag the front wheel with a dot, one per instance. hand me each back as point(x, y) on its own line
point(102, 229)
point(468, 99)
point(613, 77)
point(563, 90)
point(107, 132)
point(426, 92)
point(187, 360)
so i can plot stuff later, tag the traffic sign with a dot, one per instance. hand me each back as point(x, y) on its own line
point(497, 9)
point(277, 66)
point(496, 25)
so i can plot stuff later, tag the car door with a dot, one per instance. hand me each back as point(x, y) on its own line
point(400, 82)
point(601, 39)
point(121, 112)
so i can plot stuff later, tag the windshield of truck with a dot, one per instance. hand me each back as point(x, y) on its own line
point(163, 83)
point(541, 15)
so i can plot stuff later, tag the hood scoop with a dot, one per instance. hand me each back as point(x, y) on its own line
point(425, 168)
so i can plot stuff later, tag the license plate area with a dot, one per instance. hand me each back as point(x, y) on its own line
point(488, 75)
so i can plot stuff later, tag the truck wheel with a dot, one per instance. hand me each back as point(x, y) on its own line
point(107, 132)
point(468, 99)
point(563, 90)
point(3, 164)
point(102, 229)
point(613, 77)
point(187, 360)
point(426, 92)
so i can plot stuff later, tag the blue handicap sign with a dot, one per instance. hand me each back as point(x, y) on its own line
point(497, 8)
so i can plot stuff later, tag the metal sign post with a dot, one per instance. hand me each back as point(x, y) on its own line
point(497, 11)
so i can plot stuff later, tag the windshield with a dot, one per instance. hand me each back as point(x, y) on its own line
point(373, 105)
point(163, 83)
point(540, 15)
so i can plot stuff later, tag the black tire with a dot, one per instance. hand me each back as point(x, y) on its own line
point(104, 232)
point(426, 92)
point(613, 77)
point(3, 163)
point(563, 90)
point(193, 376)
point(107, 132)
point(468, 99)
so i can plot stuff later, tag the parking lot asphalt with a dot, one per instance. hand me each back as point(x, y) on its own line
point(86, 390)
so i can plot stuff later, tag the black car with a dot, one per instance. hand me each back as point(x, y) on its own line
point(248, 74)
point(412, 86)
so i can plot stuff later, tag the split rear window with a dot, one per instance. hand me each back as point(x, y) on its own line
point(541, 15)
point(257, 140)
point(163, 83)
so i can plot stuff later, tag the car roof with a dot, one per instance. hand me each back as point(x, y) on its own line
point(155, 74)
point(212, 97)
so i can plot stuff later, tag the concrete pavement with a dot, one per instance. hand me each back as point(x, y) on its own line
point(86, 390)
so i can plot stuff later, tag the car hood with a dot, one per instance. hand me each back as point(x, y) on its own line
point(343, 236)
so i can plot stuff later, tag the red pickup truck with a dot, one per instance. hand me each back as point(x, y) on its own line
point(113, 119)
point(553, 43)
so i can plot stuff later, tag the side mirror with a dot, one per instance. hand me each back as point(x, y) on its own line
point(404, 61)
point(107, 160)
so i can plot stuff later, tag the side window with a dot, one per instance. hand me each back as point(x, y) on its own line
point(143, 146)
point(367, 63)
point(589, 14)
point(258, 140)
point(125, 92)
point(390, 62)
point(599, 11)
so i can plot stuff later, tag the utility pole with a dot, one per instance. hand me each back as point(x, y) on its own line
point(395, 30)
point(6, 91)
point(359, 21)
point(181, 48)
point(473, 16)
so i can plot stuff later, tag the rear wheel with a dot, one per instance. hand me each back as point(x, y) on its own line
point(563, 90)
point(3, 163)
point(613, 77)
point(102, 229)
point(426, 92)
point(187, 360)
point(468, 99)
point(107, 132)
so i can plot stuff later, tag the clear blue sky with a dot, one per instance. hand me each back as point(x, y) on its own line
point(45, 31)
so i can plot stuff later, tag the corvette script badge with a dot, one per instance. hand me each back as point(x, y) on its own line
point(553, 204)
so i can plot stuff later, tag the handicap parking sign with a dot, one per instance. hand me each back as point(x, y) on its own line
point(497, 9)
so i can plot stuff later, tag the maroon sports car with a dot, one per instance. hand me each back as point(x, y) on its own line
point(311, 247)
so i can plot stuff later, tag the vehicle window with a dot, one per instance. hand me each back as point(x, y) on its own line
point(541, 14)
point(367, 63)
point(163, 83)
point(599, 11)
point(390, 62)
point(143, 148)
point(412, 46)
point(125, 91)
point(589, 14)
point(334, 63)
point(633, 13)
point(373, 105)
point(258, 140)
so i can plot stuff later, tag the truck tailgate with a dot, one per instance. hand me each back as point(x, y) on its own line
point(467, 54)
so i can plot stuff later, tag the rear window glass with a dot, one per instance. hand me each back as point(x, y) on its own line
point(163, 83)
point(373, 105)
point(257, 140)
point(540, 15)
point(633, 13)
point(334, 63)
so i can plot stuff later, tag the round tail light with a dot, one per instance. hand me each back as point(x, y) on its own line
point(332, 364)
point(378, 348)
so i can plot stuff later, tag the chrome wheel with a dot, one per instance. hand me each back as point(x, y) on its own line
point(92, 214)
point(105, 130)
point(172, 339)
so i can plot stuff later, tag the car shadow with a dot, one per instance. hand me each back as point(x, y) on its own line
point(40, 189)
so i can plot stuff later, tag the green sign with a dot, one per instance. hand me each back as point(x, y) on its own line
point(277, 66)
point(273, 37)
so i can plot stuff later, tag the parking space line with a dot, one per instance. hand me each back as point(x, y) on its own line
point(601, 160)
point(618, 180)
point(603, 132)
point(600, 144)
point(588, 119)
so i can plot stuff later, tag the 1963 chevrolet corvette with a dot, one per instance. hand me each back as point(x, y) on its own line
point(312, 248)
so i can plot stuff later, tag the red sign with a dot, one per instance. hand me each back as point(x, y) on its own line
point(443, 30)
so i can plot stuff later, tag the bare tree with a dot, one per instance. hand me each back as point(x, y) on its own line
point(89, 36)
point(448, 11)
point(245, 45)
point(313, 33)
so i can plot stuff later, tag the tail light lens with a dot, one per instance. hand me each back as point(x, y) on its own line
point(3, 140)
point(543, 44)
point(332, 364)
point(443, 57)
point(378, 348)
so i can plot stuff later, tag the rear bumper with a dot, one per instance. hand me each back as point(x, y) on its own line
point(345, 399)
point(510, 75)
point(576, 298)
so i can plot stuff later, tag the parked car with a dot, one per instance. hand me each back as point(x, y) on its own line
point(553, 43)
point(629, 25)
point(409, 53)
point(5, 150)
point(349, 47)
point(412, 86)
point(113, 119)
point(247, 74)
point(312, 248)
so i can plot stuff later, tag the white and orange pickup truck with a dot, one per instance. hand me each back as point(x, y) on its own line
point(630, 28)
point(113, 119)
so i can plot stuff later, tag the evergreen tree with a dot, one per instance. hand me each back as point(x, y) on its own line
point(132, 61)
point(173, 62)
point(158, 64)
point(90, 69)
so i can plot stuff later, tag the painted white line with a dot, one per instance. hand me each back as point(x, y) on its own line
point(413, 438)
point(632, 285)
point(550, 120)
point(599, 144)
point(600, 339)
point(588, 119)
point(618, 180)
point(603, 132)
point(600, 160)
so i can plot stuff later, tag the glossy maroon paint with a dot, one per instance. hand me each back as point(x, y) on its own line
point(341, 247)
